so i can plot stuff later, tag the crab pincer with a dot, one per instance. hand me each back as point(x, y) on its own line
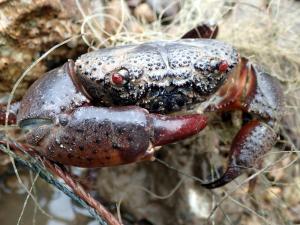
point(96, 137)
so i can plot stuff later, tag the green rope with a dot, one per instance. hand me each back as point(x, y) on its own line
point(34, 165)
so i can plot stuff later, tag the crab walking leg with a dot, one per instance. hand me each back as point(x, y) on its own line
point(263, 98)
point(95, 136)
point(250, 144)
point(12, 115)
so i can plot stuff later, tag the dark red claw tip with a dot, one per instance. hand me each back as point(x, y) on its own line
point(168, 129)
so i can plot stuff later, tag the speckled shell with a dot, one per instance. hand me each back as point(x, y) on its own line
point(163, 76)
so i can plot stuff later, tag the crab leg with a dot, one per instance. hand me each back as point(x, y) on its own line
point(250, 144)
point(263, 98)
point(12, 115)
point(95, 136)
point(203, 30)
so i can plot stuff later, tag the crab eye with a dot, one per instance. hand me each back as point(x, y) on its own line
point(119, 78)
point(223, 66)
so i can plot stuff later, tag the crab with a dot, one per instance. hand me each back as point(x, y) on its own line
point(116, 105)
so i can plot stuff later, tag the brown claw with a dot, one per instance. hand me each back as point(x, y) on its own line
point(96, 137)
point(168, 129)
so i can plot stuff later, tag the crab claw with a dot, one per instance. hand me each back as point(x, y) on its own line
point(98, 136)
point(168, 129)
point(250, 144)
